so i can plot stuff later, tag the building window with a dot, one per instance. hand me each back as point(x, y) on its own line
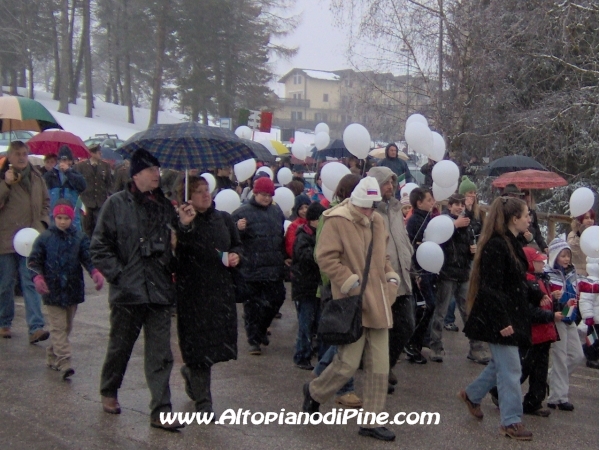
point(296, 115)
point(297, 96)
point(325, 97)
point(345, 118)
point(348, 82)
point(389, 85)
point(297, 79)
point(320, 117)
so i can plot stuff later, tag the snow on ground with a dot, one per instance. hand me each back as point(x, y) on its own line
point(108, 117)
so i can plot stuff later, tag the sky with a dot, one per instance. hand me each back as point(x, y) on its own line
point(321, 44)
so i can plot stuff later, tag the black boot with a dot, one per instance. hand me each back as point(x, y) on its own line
point(381, 433)
point(310, 405)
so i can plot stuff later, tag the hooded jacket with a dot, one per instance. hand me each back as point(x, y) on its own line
point(342, 252)
point(398, 166)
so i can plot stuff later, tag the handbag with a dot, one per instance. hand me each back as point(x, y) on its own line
point(341, 319)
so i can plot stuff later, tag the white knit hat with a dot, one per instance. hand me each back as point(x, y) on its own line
point(365, 193)
point(556, 246)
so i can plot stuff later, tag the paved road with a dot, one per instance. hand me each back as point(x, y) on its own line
point(39, 411)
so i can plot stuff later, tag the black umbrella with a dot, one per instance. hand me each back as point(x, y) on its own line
point(262, 153)
point(512, 163)
point(335, 149)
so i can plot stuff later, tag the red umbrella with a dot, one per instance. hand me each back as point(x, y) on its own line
point(50, 141)
point(530, 179)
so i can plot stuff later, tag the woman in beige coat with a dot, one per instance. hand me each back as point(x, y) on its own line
point(341, 254)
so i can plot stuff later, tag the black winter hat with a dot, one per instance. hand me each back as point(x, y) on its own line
point(142, 159)
point(65, 153)
point(314, 211)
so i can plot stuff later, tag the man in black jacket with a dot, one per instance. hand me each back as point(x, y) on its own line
point(131, 246)
point(260, 223)
point(453, 281)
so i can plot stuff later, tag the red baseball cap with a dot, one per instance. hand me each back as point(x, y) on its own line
point(533, 255)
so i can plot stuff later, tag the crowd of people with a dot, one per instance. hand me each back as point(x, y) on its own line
point(523, 302)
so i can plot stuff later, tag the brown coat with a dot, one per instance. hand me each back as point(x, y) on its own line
point(20, 208)
point(342, 252)
point(98, 181)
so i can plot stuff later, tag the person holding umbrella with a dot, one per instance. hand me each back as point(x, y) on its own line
point(98, 178)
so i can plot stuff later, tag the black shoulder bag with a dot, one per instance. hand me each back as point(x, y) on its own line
point(341, 319)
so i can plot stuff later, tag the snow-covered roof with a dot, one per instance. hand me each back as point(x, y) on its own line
point(321, 75)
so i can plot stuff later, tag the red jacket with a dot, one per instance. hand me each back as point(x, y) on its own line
point(542, 332)
point(290, 235)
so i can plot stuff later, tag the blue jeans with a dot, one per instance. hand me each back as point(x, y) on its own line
point(450, 317)
point(309, 310)
point(11, 265)
point(322, 365)
point(504, 370)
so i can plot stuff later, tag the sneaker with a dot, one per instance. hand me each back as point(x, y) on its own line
point(304, 365)
point(563, 406)
point(66, 373)
point(479, 357)
point(265, 340)
point(416, 358)
point(517, 431)
point(381, 433)
point(451, 327)
point(255, 350)
point(5, 333)
point(38, 335)
point(349, 400)
point(474, 408)
point(436, 355)
point(309, 405)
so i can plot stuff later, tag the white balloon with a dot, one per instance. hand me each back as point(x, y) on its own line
point(407, 188)
point(284, 176)
point(210, 179)
point(430, 257)
point(589, 241)
point(284, 197)
point(322, 127)
point(582, 200)
point(245, 169)
point(328, 193)
point(268, 171)
point(286, 225)
point(332, 173)
point(418, 137)
point(439, 229)
point(418, 118)
point(227, 200)
point(321, 140)
point(24, 239)
point(440, 194)
point(299, 150)
point(357, 140)
point(445, 174)
point(439, 147)
point(243, 132)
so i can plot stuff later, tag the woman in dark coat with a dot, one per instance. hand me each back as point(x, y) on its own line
point(498, 301)
point(206, 308)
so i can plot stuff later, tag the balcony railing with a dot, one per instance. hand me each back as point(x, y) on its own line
point(294, 102)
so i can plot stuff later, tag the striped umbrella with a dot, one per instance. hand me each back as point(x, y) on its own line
point(20, 113)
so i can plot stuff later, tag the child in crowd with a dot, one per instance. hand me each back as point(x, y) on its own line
point(422, 203)
point(588, 306)
point(298, 218)
point(406, 208)
point(567, 353)
point(305, 281)
point(57, 256)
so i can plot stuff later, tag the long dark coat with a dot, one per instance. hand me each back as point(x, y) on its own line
point(504, 297)
point(206, 309)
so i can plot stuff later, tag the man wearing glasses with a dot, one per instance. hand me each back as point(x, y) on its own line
point(260, 223)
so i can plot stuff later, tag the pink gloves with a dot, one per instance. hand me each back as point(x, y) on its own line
point(40, 285)
point(98, 279)
point(589, 321)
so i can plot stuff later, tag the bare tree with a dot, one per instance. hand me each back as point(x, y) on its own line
point(65, 56)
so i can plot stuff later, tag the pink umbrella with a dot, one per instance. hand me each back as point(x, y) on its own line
point(51, 141)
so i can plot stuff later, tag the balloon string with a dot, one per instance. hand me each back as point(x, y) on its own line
point(419, 230)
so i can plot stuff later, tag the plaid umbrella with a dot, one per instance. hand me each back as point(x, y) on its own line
point(530, 179)
point(189, 145)
point(20, 113)
point(51, 141)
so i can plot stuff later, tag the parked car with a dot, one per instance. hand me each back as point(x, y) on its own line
point(101, 138)
point(8, 136)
